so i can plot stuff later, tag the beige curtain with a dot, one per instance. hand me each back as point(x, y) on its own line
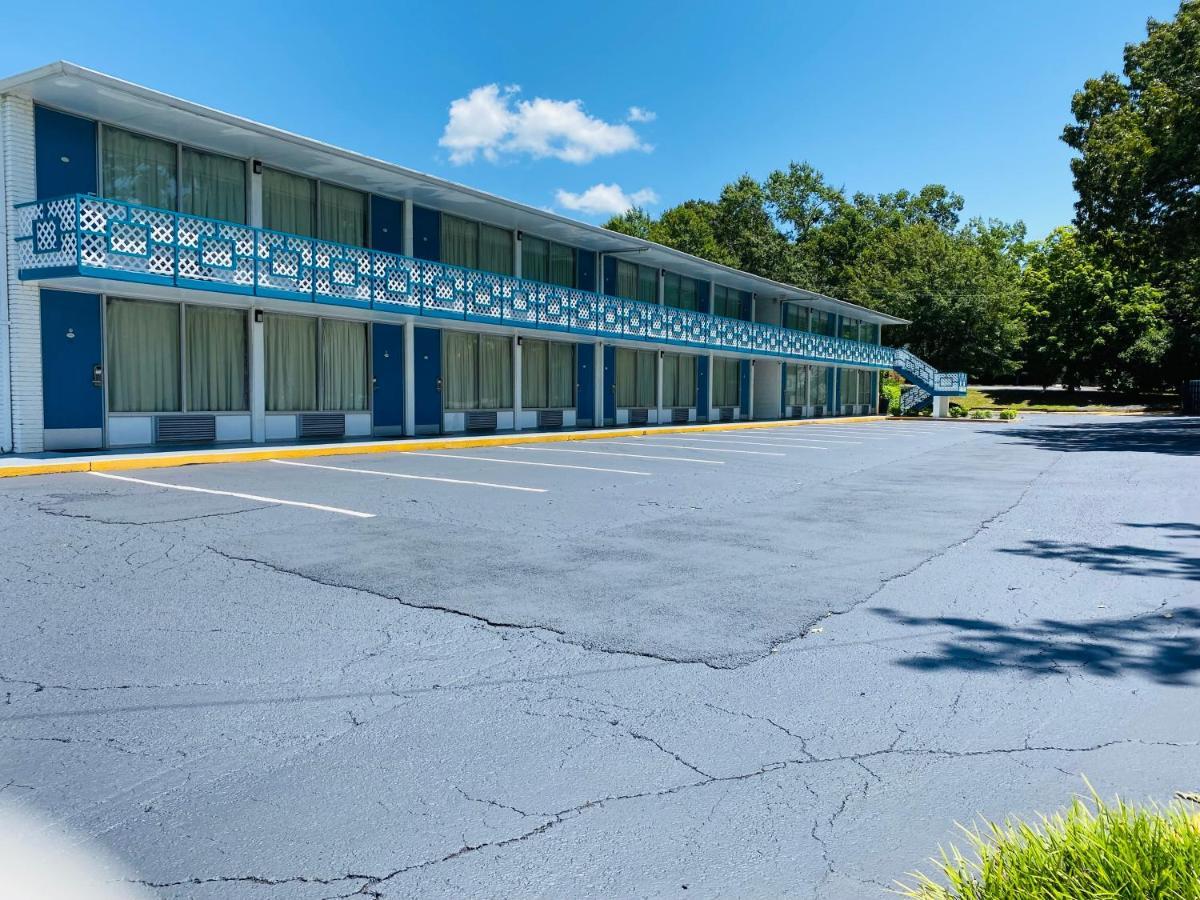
point(291, 362)
point(143, 356)
point(343, 365)
point(216, 359)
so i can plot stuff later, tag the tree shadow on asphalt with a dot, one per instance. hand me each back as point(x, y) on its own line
point(1175, 436)
point(1156, 646)
point(1125, 559)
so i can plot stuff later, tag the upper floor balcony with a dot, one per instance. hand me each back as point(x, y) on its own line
point(88, 236)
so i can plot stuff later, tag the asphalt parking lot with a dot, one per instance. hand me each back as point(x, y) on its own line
point(767, 662)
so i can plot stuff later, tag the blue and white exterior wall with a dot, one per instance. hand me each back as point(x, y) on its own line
point(63, 260)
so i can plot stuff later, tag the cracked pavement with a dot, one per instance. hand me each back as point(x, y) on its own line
point(781, 677)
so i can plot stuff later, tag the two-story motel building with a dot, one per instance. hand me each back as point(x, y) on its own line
point(175, 274)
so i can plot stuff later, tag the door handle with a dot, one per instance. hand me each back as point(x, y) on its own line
point(439, 385)
point(97, 375)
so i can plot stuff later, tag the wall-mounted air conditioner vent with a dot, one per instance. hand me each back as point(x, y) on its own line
point(481, 420)
point(550, 418)
point(638, 416)
point(679, 415)
point(725, 414)
point(322, 425)
point(185, 429)
point(818, 410)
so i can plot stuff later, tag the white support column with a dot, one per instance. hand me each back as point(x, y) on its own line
point(516, 380)
point(516, 252)
point(662, 287)
point(941, 407)
point(658, 385)
point(711, 372)
point(258, 381)
point(750, 407)
point(410, 363)
point(255, 209)
point(20, 301)
point(598, 384)
point(408, 245)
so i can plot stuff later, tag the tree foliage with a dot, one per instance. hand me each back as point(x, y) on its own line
point(1114, 300)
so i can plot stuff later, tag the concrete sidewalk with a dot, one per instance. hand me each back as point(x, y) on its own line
point(114, 460)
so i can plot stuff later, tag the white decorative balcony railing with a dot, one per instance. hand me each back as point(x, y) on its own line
point(83, 235)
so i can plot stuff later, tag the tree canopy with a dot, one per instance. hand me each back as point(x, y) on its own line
point(1113, 300)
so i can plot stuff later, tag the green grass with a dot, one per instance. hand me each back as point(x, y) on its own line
point(1038, 400)
point(1092, 850)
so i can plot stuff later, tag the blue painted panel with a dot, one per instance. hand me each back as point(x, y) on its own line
point(744, 386)
point(72, 345)
point(702, 387)
point(427, 234)
point(387, 369)
point(704, 293)
point(585, 404)
point(610, 383)
point(427, 373)
point(585, 270)
point(834, 388)
point(610, 276)
point(65, 154)
point(387, 224)
point(747, 306)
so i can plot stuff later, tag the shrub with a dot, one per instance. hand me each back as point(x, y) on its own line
point(891, 392)
point(956, 411)
point(981, 414)
point(1008, 414)
point(1115, 851)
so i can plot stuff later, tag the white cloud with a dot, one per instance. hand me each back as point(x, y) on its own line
point(491, 121)
point(605, 200)
point(638, 114)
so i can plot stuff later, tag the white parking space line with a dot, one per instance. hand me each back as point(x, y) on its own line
point(255, 497)
point(740, 440)
point(694, 448)
point(485, 484)
point(622, 453)
point(772, 439)
point(528, 462)
point(857, 435)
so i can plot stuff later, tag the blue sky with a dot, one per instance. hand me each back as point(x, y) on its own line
point(877, 94)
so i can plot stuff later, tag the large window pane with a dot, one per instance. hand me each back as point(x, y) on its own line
point(343, 365)
point(627, 280)
point(291, 360)
point(535, 259)
point(461, 355)
point(647, 284)
point(138, 169)
point(626, 381)
point(495, 372)
point(343, 215)
point(289, 203)
point(562, 265)
point(143, 356)
point(562, 375)
point(216, 359)
point(689, 297)
point(679, 380)
point(534, 386)
point(460, 242)
point(726, 377)
point(213, 186)
point(647, 378)
point(495, 250)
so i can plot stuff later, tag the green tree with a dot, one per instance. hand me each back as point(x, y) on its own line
point(1138, 174)
point(1089, 320)
point(634, 222)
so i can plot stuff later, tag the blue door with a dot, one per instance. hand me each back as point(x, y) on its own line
point(585, 404)
point(702, 387)
point(72, 382)
point(65, 153)
point(387, 370)
point(387, 224)
point(427, 373)
point(610, 384)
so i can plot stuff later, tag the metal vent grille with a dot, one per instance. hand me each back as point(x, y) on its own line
point(481, 420)
point(798, 412)
point(185, 429)
point(679, 415)
point(725, 414)
point(818, 410)
point(638, 417)
point(322, 424)
point(550, 418)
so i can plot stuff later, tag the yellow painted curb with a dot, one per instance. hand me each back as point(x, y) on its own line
point(403, 445)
